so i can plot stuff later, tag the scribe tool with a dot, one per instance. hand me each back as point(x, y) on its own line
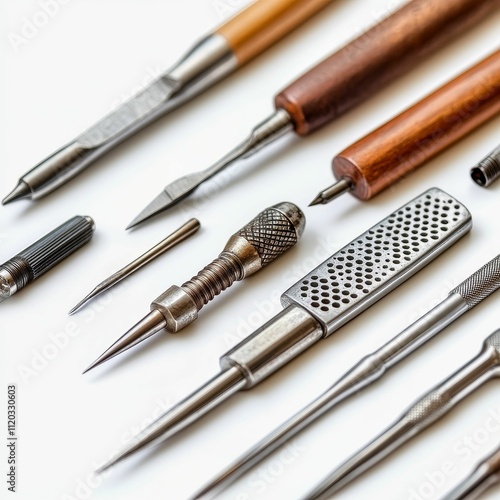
point(214, 57)
point(486, 475)
point(344, 80)
point(179, 235)
point(339, 289)
point(460, 300)
point(253, 247)
point(487, 171)
point(433, 406)
point(406, 142)
point(38, 258)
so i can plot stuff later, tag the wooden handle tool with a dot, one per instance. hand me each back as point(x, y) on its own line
point(343, 80)
point(265, 22)
point(406, 142)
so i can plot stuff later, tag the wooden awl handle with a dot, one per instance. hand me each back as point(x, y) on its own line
point(371, 61)
point(264, 22)
point(407, 141)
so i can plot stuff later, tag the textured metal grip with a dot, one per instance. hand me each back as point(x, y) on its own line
point(481, 284)
point(271, 233)
point(381, 259)
point(45, 253)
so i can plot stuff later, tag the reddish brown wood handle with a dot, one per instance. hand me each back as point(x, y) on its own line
point(371, 61)
point(422, 131)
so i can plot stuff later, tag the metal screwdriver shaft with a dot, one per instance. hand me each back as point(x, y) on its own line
point(258, 243)
point(322, 302)
point(463, 298)
point(421, 415)
point(486, 474)
point(179, 235)
point(44, 254)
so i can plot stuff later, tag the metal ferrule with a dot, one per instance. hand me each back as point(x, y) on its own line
point(487, 171)
point(204, 65)
point(8, 285)
point(273, 345)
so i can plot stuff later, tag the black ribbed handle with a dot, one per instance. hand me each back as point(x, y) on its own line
point(48, 251)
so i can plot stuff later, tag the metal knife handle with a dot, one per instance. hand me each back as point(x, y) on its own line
point(264, 22)
point(370, 62)
point(481, 284)
point(380, 259)
point(48, 251)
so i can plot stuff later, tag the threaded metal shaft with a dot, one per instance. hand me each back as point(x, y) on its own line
point(214, 278)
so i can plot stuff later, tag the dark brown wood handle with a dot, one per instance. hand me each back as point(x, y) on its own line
point(407, 141)
point(377, 57)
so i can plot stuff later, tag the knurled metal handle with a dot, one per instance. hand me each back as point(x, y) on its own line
point(481, 284)
point(48, 251)
point(271, 233)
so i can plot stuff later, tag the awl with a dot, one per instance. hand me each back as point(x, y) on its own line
point(371, 368)
point(344, 80)
point(339, 289)
point(214, 57)
point(422, 414)
point(400, 146)
point(254, 246)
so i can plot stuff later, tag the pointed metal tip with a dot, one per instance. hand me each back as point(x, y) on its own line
point(18, 193)
point(317, 200)
point(160, 203)
point(148, 326)
point(330, 193)
point(82, 302)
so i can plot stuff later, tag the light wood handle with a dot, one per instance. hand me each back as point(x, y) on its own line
point(264, 22)
point(410, 139)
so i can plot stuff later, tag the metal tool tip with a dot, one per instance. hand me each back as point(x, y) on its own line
point(316, 201)
point(160, 203)
point(18, 193)
point(148, 326)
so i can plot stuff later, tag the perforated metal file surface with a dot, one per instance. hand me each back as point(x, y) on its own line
point(380, 259)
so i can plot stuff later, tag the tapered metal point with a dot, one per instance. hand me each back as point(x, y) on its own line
point(148, 326)
point(329, 194)
point(18, 193)
point(160, 203)
point(82, 302)
point(188, 411)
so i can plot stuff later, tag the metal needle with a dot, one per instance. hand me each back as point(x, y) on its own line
point(180, 234)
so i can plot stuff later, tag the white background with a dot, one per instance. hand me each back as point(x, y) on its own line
point(87, 58)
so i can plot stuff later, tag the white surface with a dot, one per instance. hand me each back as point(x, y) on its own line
point(87, 58)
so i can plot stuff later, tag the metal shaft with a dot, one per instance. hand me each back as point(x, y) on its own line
point(306, 319)
point(486, 475)
point(433, 406)
point(277, 125)
point(205, 64)
point(44, 254)
point(487, 171)
point(468, 294)
point(179, 235)
point(253, 247)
